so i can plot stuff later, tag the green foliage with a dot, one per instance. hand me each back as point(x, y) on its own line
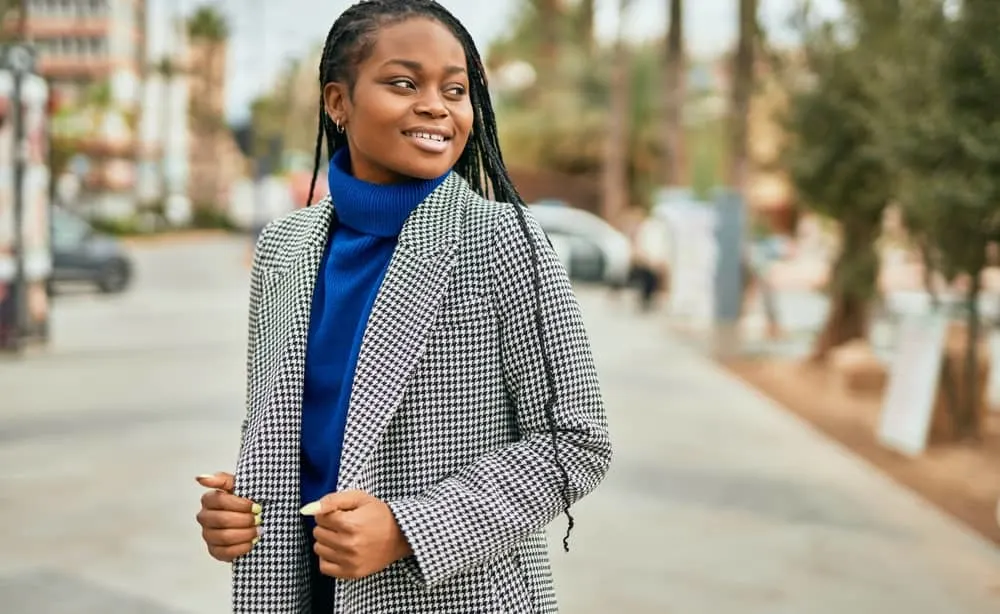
point(832, 155)
point(940, 129)
point(118, 227)
point(208, 24)
point(564, 129)
point(209, 217)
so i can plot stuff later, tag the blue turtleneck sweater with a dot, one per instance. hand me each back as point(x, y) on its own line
point(369, 218)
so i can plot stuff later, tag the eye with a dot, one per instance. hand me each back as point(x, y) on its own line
point(403, 83)
point(456, 90)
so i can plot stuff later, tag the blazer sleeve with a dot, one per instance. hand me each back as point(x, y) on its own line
point(512, 492)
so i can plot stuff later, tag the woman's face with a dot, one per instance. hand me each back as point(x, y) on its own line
point(409, 115)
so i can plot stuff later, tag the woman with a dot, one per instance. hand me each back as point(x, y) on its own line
point(420, 383)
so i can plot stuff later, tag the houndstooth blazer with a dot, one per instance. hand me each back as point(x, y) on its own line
point(446, 420)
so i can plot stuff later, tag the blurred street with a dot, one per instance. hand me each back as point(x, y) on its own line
point(718, 502)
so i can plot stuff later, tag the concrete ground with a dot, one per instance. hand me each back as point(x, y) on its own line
point(718, 501)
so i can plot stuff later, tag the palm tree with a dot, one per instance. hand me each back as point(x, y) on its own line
point(673, 80)
point(585, 23)
point(742, 88)
point(209, 31)
point(549, 18)
point(615, 180)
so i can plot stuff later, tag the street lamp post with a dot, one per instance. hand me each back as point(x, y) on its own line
point(20, 61)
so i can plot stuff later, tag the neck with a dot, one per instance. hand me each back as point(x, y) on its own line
point(374, 208)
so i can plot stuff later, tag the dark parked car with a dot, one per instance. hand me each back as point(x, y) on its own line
point(81, 254)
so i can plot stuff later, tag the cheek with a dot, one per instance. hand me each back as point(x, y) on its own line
point(464, 117)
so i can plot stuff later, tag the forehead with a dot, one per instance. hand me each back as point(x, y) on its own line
point(417, 39)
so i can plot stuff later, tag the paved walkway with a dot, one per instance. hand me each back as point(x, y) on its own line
point(718, 502)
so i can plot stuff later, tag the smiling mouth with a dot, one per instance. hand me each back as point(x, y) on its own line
point(427, 136)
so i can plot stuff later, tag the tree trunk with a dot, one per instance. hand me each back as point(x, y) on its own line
point(927, 262)
point(852, 284)
point(587, 10)
point(967, 422)
point(549, 12)
point(674, 96)
point(615, 180)
point(742, 86)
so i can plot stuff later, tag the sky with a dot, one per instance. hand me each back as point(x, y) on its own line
point(267, 33)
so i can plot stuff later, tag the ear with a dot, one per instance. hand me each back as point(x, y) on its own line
point(336, 102)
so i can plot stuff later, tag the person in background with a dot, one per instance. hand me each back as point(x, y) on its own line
point(422, 400)
point(651, 260)
point(765, 249)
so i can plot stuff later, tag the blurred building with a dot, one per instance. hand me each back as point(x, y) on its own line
point(80, 42)
point(92, 52)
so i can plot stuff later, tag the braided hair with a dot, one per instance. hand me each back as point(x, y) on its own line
point(349, 42)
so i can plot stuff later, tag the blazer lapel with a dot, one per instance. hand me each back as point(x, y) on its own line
point(404, 309)
point(288, 290)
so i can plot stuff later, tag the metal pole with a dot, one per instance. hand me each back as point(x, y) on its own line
point(19, 61)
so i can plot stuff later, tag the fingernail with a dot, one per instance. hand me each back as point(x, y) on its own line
point(255, 508)
point(206, 476)
point(256, 520)
point(311, 509)
point(254, 542)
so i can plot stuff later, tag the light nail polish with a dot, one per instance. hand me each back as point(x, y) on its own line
point(254, 542)
point(257, 520)
point(255, 508)
point(311, 509)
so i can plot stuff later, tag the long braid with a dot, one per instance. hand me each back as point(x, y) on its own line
point(318, 155)
point(481, 164)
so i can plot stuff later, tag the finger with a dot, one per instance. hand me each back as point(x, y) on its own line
point(221, 519)
point(338, 522)
point(343, 571)
point(218, 500)
point(333, 540)
point(344, 500)
point(332, 555)
point(222, 481)
point(229, 537)
point(228, 554)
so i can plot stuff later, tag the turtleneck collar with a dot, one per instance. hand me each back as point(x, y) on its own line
point(370, 208)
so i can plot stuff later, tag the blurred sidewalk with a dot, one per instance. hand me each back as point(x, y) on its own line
point(718, 501)
point(721, 502)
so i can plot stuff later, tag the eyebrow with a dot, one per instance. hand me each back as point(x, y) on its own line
point(418, 67)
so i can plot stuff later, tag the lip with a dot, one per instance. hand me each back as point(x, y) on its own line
point(429, 145)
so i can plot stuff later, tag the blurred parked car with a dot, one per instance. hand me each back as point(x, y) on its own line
point(81, 254)
point(591, 249)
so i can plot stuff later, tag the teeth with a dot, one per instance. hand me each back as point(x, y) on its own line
point(425, 135)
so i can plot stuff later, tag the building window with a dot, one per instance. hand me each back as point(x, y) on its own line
point(96, 8)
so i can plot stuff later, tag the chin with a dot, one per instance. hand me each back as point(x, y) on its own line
point(427, 170)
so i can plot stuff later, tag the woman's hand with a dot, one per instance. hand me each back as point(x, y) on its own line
point(230, 525)
point(356, 535)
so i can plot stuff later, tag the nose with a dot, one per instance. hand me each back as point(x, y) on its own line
point(431, 105)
